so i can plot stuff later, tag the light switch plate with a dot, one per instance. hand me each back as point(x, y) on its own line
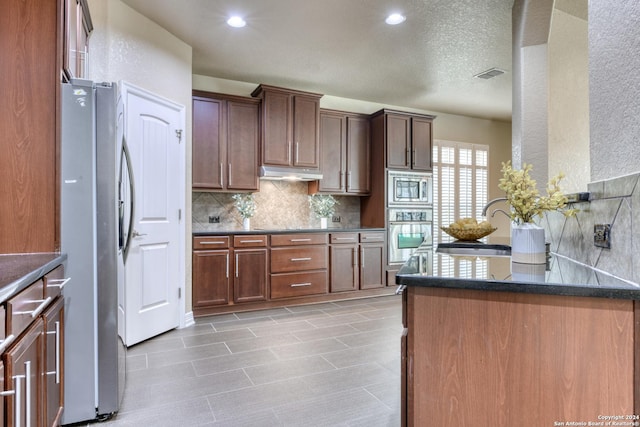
point(601, 235)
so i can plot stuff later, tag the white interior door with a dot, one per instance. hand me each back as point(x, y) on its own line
point(154, 264)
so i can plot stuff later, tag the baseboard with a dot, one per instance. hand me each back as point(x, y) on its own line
point(189, 320)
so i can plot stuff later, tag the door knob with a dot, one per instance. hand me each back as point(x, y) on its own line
point(136, 234)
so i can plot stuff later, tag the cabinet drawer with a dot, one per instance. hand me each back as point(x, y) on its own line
point(337, 238)
point(24, 307)
point(210, 242)
point(298, 259)
point(250, 241)
point(298, 284)
point(373, 236)
point(54, 282)
point(298, 239)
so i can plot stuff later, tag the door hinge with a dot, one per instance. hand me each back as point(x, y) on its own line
point(179, 135)
point(179, 214)
point(179, 293)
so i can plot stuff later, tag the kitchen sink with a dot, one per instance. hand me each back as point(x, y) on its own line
point(474, 249)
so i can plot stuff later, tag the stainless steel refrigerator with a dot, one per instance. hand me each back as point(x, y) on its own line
point(91, 160)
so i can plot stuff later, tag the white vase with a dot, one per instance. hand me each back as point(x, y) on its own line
point(528, 244)
point(323, 222)
point(246, 224)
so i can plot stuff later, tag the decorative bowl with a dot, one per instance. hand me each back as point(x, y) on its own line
point(468, 233)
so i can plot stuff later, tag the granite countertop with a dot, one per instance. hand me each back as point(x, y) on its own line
point(17, 271)
point(284, 231)
point(559, 276)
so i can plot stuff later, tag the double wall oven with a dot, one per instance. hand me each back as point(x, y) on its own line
point(409, 213)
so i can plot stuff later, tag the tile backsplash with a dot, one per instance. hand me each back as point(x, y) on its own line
point(616, 202)
point(280, 205)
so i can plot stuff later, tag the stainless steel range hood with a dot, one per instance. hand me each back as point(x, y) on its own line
point(291, 174)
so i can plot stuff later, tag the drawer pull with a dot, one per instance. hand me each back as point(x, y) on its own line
point(297, 285)
point(251, 241)
point(300, 240)
point(213, 243)
point(57, 282)
point(344, 238)
point(6, 342)
point(301, 259)
point(35, 313)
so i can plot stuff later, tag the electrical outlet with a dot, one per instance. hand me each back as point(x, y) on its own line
point(601, 235)
point(335, 218)
point(214, 219)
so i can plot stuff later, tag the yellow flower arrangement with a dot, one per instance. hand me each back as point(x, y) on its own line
point(524, 198)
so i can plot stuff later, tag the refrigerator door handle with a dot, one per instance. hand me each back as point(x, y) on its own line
point(127, 157)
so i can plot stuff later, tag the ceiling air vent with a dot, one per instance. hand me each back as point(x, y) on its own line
point(490, 73)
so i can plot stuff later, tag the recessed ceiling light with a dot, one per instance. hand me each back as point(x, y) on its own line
point(236, 22)
point(395, 19)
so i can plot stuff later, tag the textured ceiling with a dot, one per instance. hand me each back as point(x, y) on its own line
point(343, 48)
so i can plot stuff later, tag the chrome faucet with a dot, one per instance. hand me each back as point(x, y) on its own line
point(491, 202)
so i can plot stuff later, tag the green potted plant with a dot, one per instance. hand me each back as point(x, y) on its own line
point(246, 205)
point(323, 206)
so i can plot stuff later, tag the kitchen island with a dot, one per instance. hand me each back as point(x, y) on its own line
point(488, 342)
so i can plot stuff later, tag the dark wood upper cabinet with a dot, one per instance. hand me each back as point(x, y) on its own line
point(225, 142)
point(290, 121)
point(345, 154)
point(408, 140)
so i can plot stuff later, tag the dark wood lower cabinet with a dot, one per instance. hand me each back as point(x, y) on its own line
point(24, 367)
point(244, 272)
point(251, 273)
point(54, 363)
point(210, 278)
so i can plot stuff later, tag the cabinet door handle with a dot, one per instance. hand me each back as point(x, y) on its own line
point(236, 265)
point(362, 258)
point(38, 310)
point(27, 392)
point(297, 151)
point(58, 346)
point(227, 266)
point(301, 259)
point(5, 343)
point(297, 285)
point(355, 257)
point(58, 282)
point(413, 158)
point(17, 406)
point(348, 180)
point(229, 174)
point(221, 176)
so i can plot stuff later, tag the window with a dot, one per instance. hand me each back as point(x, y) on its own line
point(460, 190)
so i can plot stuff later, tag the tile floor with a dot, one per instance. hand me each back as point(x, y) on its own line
point(329, 364)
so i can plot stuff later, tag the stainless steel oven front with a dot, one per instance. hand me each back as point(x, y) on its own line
point(411, 189)
point(408, 229)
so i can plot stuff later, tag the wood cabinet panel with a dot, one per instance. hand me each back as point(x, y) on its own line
point(421, 144)
point(297, 239)
point(345, 154)
point(208, 146)
point(24, 368)
point(290, 121)
point(225, 142)
point(30, 65)
point(251, 273)
point(372, 263)
point(210, 278)
point(298, 258)
point(344, 267)
point(506, 357)
point(398, 141)
point(298, 284)
point(54, 363)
